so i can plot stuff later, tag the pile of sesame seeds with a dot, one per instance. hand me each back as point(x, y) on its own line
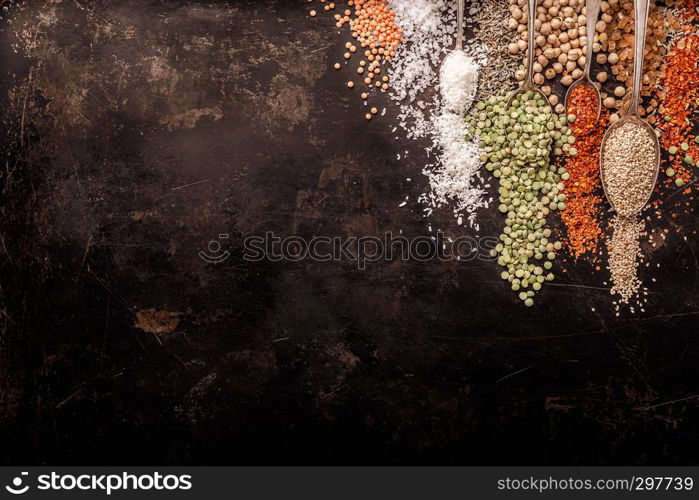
point(625, 257)
point(629, 167)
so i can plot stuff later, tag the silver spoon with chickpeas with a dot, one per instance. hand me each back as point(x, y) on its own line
point(529, 84)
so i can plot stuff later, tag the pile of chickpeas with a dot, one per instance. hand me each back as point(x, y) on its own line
point(560, 41)
point(560, 51)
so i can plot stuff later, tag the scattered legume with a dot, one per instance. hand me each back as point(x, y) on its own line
point(518, 142)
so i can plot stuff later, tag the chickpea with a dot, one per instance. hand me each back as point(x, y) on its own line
point(553, 99)
point(567, 80)
point(577, 73)
point(619, 91)
point(609, 102)
point(613, 58)
point(550, 73)
point(602, 76)
point(601, 58)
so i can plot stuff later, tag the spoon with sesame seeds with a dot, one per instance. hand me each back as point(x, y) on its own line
point(592, 8)
point(529, 84)
point(628, 192)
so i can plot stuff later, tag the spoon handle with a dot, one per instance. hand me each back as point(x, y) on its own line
point(531, 28)
point(592, 12)
point(641, 11)
point(459, 24)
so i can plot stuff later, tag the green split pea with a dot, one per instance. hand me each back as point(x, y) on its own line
point(517, 143)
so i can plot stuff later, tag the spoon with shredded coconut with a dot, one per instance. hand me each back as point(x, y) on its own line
point(458, 75)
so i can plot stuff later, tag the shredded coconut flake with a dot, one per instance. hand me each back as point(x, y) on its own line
point(432, 101)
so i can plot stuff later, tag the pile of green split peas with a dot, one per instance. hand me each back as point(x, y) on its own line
point(517, 142)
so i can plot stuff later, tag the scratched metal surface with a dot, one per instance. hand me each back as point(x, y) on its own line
point(136, 132)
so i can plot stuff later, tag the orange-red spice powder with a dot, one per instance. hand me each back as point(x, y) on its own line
point(678, 96)
point(582, 215)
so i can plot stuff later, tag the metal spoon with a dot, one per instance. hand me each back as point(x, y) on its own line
point(592, 8)
point(459, 24)
point(632, 116)
point(529, 81)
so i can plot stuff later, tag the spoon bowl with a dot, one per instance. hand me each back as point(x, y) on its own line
point(592, 8)
point(586, 81)
point(630, 118)
point(525, 88)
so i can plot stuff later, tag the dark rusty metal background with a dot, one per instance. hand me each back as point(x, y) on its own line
point(134, 132)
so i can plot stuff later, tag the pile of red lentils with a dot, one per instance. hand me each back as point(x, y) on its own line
point(377, 37)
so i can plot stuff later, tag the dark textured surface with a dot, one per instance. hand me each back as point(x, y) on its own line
point(136, 132)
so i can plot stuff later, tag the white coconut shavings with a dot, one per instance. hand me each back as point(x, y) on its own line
point(456, 177)
point(429, 27)
point(458, 81)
